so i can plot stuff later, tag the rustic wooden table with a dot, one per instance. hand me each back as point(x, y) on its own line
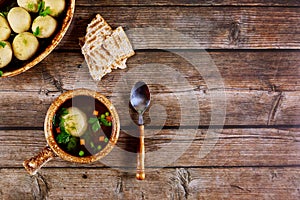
point(250, 46)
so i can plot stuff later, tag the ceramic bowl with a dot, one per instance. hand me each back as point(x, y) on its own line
point(47, 45)
point(52, 149)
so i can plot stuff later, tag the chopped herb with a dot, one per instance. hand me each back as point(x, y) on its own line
point(25, 41)
point(95, 123)
point(2, 44)
point(92, 120)
point(3, 14)
point(63, 112)
point(92, 144)
point(106, 140)
point(107, 114)
point(96, 126)
point(99, 147)
point(63, 137)
point(102, 116)
point(41, 6)
point(37, 31)
point(30, 6)
point(42, 10)
point(72, 143)
point(81, 153)
point(1, 73)
point(46, 12)
point(62, 124)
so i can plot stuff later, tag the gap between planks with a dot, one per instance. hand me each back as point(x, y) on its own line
point(182, 3)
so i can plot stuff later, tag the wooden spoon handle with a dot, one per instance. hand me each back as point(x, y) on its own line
point(140, 173)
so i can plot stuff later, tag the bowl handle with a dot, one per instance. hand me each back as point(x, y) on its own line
point(33, 164)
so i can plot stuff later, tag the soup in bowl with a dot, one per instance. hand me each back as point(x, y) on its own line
point(80, 126)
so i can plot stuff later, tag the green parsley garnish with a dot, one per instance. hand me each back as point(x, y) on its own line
point(72, 144)
point(63, 112)
point(24, 41)
point(2, 44)
point(3, 14)
point(1, 73)
point(63, 137)
point(42, 10)
point(41, 6)
point(96, 126)
point(37, 31)
point(46, 12)
point(92, 144)
point(95, 123)
point(30, 6)
point(92, 120)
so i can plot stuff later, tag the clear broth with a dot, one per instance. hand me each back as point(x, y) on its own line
point(92, 144)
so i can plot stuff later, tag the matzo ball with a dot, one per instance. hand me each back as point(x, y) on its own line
point(44, 27)
point(5, 30)
point(5, 53)
point(29, 5)
point(56, 6)
point(25, 45)
point(19, 19)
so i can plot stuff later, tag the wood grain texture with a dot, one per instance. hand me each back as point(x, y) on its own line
point(196, 27)
point(187, 3)
point(183, 183)
point(243, 108)
point(256, 156)
point(172, 148)
point(261, 88)
point(276, 71)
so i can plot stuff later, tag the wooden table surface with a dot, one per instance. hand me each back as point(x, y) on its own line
point(222, 126)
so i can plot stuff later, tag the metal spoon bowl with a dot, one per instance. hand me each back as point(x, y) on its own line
point(140, 101)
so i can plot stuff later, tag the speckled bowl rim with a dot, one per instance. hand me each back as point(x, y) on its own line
point(55, 41)
point(48, 126)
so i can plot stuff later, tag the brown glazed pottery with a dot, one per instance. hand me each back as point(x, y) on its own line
point(32, 165)
point(64, 22)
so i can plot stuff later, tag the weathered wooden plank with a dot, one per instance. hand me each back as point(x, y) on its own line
point(242, 70)
point(172, 147)
point(196, 27)
point(28, 109)
point(236, 183)
point(188, 3)
point(261, 88)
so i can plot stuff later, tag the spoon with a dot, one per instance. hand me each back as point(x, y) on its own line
point(140, 101)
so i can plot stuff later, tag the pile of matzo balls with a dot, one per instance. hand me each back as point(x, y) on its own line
point(32, 19)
